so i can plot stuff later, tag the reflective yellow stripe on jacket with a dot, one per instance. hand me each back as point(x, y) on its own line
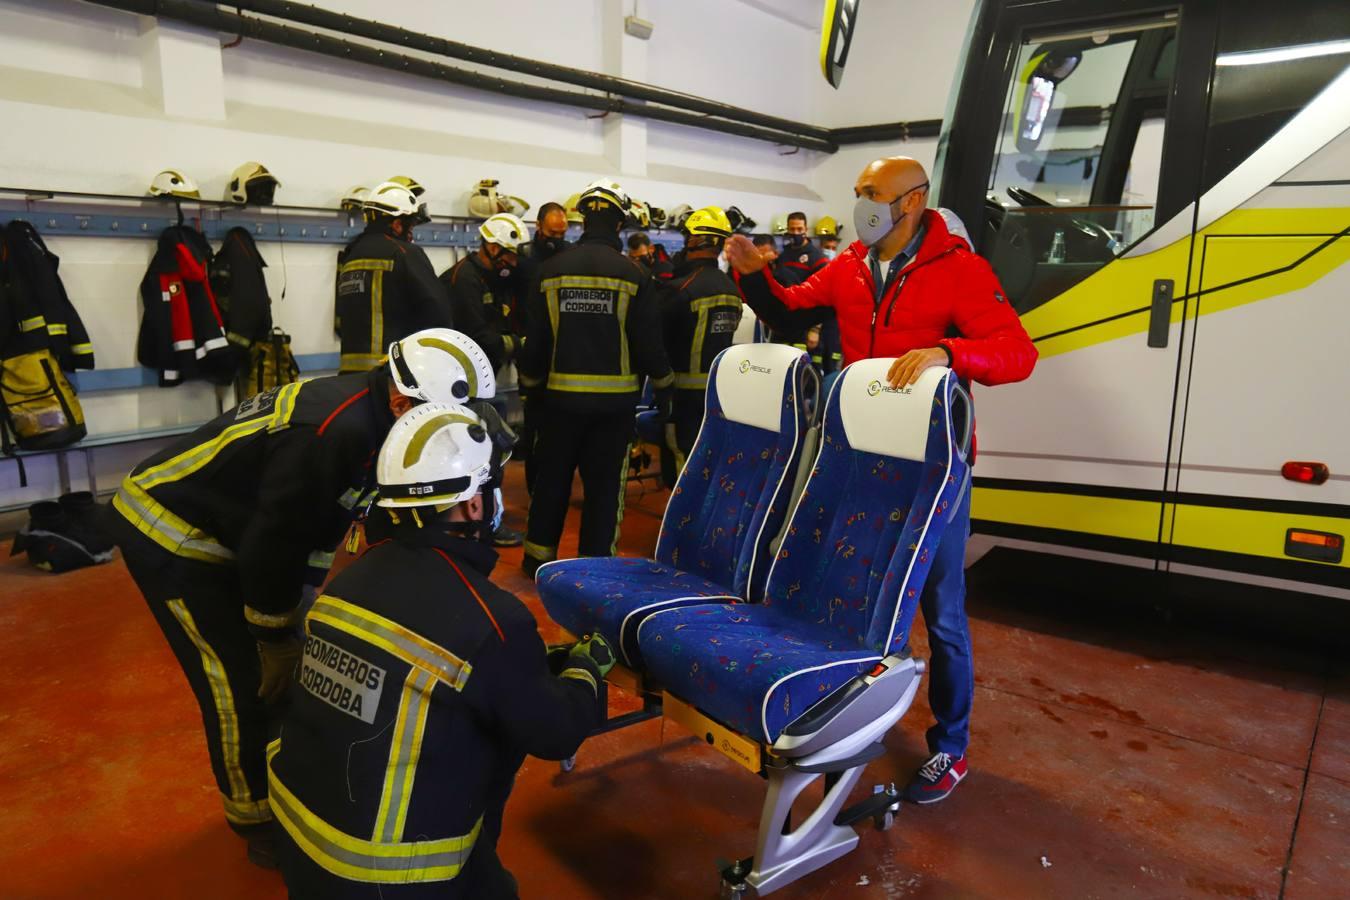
point(170, 531)
point(405, 750)
point(350, 857)
point(391, 637)
point(696, 378)
point(164, 528)
point(376, 268)
point(621, 383)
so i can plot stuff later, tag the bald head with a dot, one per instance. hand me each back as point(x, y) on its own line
point(887, 178)
point(894, 190)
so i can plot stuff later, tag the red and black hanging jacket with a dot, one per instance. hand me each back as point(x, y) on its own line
point(182, 332)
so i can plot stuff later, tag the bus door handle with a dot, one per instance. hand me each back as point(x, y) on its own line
point(1160, 313)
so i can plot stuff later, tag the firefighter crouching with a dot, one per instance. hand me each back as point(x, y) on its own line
point(222, 530)
point(422, 687)
point(699, 313)
point(594, 332)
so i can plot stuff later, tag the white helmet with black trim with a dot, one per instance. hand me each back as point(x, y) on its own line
point(440, 365)
point(506, 231)
point(391, 199)
point(173, 183)
point(602, 194)
point(251, 183)
point(437, 454)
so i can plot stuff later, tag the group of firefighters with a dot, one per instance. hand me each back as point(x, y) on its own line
point(365, 733)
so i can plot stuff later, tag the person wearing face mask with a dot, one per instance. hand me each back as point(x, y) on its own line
point(480, 285)
point(421, 687)
point(595, 334)
point(550, 239)
point(640, 249)
point(909, 288)
point(798, 261)
point(480, 295)
point(386, 287)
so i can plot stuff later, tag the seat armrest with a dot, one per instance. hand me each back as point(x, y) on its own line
point(862, 702)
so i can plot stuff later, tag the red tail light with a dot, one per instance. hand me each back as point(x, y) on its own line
point(1306, 472)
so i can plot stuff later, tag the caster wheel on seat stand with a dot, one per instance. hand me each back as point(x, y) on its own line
point(568, 764)
point(734, 885)
point(884, 821)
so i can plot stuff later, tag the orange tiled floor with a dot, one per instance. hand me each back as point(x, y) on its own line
point(1136, 759)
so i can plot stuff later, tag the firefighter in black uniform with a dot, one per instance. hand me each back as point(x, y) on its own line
point(550, 239)
point(386, 287)
point(422, 689)
point(482, 280)
point(818, 333)
point(699, 314)
point(480, 284)
point(594, 332)
point(222, 530)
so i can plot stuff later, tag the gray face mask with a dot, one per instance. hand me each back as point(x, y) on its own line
point(872, 218)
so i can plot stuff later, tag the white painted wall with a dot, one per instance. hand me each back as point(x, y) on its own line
point(98, 100)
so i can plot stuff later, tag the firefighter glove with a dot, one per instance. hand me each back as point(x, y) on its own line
point(594, 648)
point(278, 660)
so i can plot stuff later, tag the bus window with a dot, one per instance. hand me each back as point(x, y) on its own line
point(1075, 174)
point(1267, 69)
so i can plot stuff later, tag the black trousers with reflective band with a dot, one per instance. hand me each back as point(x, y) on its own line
point(199, 608)
point(596, 445)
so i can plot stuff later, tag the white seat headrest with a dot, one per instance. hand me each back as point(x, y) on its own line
point(750, 382)
point(880, 419)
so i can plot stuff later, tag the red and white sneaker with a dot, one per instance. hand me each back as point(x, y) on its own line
point(936, 778)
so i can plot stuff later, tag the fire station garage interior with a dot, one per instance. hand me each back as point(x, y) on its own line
point(674, 449)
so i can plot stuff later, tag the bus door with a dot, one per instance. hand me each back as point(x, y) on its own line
point(1073, 154)
point(1262, 489)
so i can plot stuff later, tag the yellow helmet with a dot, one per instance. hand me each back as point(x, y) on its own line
point(709, 220)
point(827, 227)
point(573, 214)
point(780, 224)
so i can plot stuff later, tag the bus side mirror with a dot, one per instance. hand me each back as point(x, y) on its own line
point(1035, 108)
point(1054, 67)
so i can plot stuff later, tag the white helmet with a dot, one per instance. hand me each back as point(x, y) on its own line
point(172, 183)
point(392, 199)
point(505, 230)
point(438, 365)
point(675, 217)
point(354, 199)
point(436, 454)
point(251, 183)
point(418, 191)
point(601, 193)
point(639, 215)
point(484, 201)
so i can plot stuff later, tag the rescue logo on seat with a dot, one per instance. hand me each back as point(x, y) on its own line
point(748, 366)
point(876, 387)
point(583, 300)
point(341, 679)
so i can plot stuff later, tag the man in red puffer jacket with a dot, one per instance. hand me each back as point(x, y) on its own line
point(911, 289)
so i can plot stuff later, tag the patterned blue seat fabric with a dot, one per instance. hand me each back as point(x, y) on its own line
point(845, 586)
point(728, 504)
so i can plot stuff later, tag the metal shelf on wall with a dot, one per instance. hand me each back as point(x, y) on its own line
point(79, 214)
point(84, 214)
